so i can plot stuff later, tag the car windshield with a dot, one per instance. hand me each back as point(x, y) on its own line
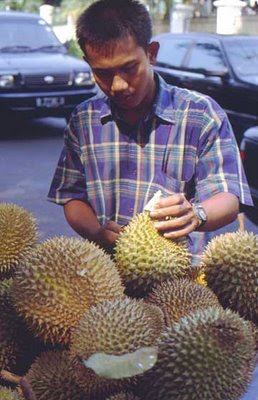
point(24, 36)
point(243, 56)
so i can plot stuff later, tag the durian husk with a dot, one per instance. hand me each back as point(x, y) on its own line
point(18, 235)
point(17, 345)
point(144, 257)
point(9, 394)
point(208, 354)
point(50, 377)
point(230, 263)
point(61, 280)
point(179, 297)
point(113, 327)
point(123, 396)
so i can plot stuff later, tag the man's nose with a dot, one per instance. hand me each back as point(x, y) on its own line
point(118, 84)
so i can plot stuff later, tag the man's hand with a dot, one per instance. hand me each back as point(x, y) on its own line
point(174, 216)
point(83, 220)
point(106, 235)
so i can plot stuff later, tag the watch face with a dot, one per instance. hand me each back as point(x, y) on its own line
point(202, 214)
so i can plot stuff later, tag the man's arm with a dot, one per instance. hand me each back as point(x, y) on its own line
point(221, 209)
point(83, 220)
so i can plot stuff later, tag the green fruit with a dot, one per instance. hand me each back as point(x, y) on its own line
point(144, 257)
point(178, 297)
point(50, 378)
point(116, 328)
point(8, 394)
point(61, 280)
point(230, 264)
point(18, 235)
point(207, 355)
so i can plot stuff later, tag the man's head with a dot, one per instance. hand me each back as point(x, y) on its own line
point(107, 21)
point(114, 36)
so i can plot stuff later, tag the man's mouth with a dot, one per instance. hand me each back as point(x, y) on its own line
point(123, 98)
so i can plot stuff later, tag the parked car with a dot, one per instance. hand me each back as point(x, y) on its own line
point(224, 67)
point(38, 77)
point(249, 154)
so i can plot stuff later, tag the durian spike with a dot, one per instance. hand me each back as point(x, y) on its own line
point(124, 366)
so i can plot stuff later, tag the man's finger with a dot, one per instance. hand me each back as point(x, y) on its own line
point(174, 223)
point(113, 226)
point(177, 198)
point(175, 234)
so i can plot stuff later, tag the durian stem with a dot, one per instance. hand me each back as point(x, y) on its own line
point(10, 377)
point(241, 221)
point(27, 389)
point(21, 381)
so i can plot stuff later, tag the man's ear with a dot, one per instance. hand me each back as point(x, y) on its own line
point(153, 49)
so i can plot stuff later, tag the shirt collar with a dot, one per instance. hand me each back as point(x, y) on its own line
point(162, 106)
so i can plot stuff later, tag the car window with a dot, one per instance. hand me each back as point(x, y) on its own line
point(173, 52)
point(33, 35)
point(243, 55)
point(207, 56)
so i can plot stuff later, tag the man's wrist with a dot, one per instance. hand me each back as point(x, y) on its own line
point(200, 214)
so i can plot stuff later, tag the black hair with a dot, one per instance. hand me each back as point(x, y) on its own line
point(106, 21)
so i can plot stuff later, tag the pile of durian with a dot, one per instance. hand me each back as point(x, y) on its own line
point(141, 324)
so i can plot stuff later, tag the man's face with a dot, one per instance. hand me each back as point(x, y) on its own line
point(124, 74)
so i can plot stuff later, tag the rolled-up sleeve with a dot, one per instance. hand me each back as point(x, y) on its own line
point(219, 167)
point(69, 178)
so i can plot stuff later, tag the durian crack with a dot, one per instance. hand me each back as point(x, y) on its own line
point(124, 366)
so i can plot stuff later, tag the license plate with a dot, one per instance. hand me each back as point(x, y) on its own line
point(50, 102)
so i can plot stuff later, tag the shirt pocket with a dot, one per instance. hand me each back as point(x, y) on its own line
point(169, 185)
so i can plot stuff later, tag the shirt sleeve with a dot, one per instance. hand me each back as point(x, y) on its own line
point(69, 181)
point(219, 167)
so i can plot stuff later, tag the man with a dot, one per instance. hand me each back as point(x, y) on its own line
point(142, 135)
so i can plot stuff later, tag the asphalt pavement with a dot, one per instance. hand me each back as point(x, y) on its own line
point(28, 155)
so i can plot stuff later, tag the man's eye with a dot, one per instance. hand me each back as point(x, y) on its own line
point(130, 68)
point(102, 73)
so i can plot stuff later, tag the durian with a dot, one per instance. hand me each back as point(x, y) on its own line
point(208, 354)
point(50, 377)
point(61, 280)
point(9, 394)
point(230, 263)
point(178, 297)
point(18, 235)
point(118, 327)
point(144, 257)
point(123, 396)
point(17, 346)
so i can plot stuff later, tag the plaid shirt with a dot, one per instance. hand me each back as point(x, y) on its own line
point(185, 144)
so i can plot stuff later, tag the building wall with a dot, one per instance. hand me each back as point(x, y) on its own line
point(208, 24)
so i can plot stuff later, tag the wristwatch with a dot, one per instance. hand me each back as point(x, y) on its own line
point(200, 213)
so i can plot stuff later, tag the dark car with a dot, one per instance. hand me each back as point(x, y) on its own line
point(37, 75)
point(249, 154)
point(224, 67)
